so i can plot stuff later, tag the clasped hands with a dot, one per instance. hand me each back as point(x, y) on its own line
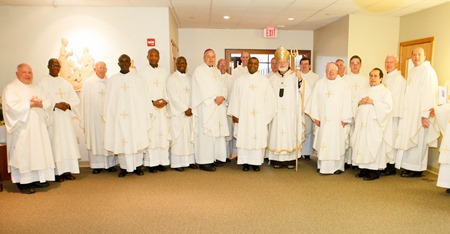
point(365, 101)
point(219, 100)
point(36, 102)
point(62, 106)
point(160, 103)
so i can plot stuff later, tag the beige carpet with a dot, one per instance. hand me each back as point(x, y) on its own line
point(229, 201)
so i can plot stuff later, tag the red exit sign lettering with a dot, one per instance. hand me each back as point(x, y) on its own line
point(270, 32)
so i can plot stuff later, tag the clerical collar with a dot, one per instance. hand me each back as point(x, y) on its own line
point(286, 73)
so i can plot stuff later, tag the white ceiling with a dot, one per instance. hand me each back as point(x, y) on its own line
point(254, 14)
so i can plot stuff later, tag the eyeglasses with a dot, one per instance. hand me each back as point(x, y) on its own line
point(355, 63)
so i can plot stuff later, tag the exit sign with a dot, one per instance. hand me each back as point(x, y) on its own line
point(270, 32)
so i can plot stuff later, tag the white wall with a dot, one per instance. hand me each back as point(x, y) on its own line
point(33, 34)
point(330, 43)
point(193, 42)
point(373, 38)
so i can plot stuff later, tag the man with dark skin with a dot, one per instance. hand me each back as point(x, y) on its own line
point(126, 118)
point(61, 131)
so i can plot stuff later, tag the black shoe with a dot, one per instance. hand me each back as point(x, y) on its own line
point(68, 176)
point(41, 185)
point(338, 172)
point(307, 157)
point(218, 163)
point(355, 168)
point(180, 169)
point(123, 173)
point(256, 168)
point(245, 167)
point(347, 166)
point(152, 169)
point(138, 171)
point(162, 168)
point(96, 171)
point(412, 174)
point(362, 173)
point(207, 167)
point(447, 191)
point(388, 172)
point(112, 169)
point(193, 166)
point(59, 178)
point(372, 175)
point(404, 172)
point(27, 191)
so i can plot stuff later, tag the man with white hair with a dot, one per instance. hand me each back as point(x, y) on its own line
point(242, 69)
point(396, 83)
point(286, 130)
point(222, 65)
point(30, 154)
point(330, 109)
point(417, 130)
point(341, 67)
point(92, 98)
point(273, 67)
point(210, 117)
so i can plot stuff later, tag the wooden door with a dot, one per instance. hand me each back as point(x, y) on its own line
point(406, 49)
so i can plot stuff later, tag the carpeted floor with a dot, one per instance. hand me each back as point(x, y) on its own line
point(229, 201)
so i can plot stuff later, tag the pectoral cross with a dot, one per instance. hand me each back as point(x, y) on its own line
point(323, 147)
point(124, 114)
point(355, 86)
point(253, 87)
point(102, 92)
point(60, 93)
point(282, 132)
point(186, 89)
point(124, 141)
point(253, 113)
point(329, 93)
point(156, 83)
point(125, 87)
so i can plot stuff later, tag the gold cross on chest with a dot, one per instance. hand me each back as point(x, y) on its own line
point(253, 87)
point(156, 83)
point(329, 93)
point(124, 114)
point(125, 87)
point(363, 125)
point(326, 120)
point(186, 89)
point(124, 141)
point(101, 92)
point(220, 125)
point(253, 112)
point(323, 147)
point(355, 86)
point(60, 93)
point(282, 132)
point(282, 109)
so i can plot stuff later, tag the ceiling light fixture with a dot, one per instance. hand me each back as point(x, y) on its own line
point(281, 26)
point(226, 17)
point(290, 19)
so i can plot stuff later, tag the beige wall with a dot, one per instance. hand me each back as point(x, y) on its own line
point(433, 22)
point(372, 38)
point(330, 43)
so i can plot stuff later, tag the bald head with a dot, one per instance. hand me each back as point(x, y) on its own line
point(418, 56)
point(222, 65)
point(24, 73)
point(100, 69)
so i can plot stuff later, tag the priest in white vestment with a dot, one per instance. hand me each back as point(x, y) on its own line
point(156, 156)
point(61, 129)
point(222, 65)
point(180, 112)
point(372, 137)
point(242, 68)
point(396, 83)
point(252, 106)
point(127, 118)
point(417, 130)
point(311, 78)
point(210, 118)
point(30, 157)
point(92, 99)
point(443, 119)
point(330, 108)
point(358, 84)
point(341, 67)
point(286, 132)
point(273, 68)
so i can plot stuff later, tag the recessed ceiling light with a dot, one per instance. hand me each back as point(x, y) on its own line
point(290, 19)
point(281, 26)
point(226, 17)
